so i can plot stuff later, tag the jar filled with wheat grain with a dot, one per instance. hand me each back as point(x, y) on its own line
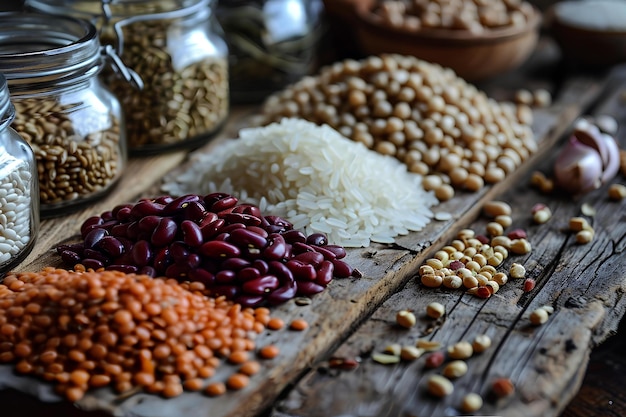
point(178, 50)
point(72, 122)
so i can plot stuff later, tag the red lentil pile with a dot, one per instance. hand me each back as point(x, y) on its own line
point(84, 330)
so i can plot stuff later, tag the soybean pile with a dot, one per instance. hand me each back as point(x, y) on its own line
point(316, 179)
point(419, 112)
point(86, 330)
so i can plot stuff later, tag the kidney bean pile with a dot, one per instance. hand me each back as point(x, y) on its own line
point(230, 247)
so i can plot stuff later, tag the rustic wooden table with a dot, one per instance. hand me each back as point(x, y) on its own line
point(354, 318)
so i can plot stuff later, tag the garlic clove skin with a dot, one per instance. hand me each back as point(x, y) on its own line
point(611, 166)
point(578, 167)
point(590, 135)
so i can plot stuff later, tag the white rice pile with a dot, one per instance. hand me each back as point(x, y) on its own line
point(317, 179)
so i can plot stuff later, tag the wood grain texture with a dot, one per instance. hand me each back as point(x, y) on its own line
point(347, 303)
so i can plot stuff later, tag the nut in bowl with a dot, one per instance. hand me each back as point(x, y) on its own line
point(590, 33)
point(478, 40)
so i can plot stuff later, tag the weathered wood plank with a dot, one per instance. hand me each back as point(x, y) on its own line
point(584, 283)
point(334, 313)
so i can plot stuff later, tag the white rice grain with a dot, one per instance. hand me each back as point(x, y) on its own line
point(317, 179)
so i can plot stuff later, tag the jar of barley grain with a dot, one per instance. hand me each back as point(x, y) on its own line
point(73, 123)
point(19, 194)
point(178, 49)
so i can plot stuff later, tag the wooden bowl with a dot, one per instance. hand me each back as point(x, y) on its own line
point(584, 42)
point(473, 57)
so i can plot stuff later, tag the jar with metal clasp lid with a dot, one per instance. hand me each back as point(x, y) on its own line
point(272, 43)
point(177, 48)
point(19, 192)
point(73, 123)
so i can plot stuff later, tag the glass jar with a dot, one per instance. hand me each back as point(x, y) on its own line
point(272, 43)
point(177, 48)
point(71, 121)
point(19, 193)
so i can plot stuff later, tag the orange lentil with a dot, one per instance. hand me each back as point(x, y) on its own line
point(250, 368)
point(215, 389)
point(275, 323)
point(269, 352)
point(135, 331)
point(299, 324)
point(237, 381)
point(237, 357)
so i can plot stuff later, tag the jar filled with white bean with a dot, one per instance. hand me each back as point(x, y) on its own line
point(71, 121)
point(19, 195)
point(178, 50)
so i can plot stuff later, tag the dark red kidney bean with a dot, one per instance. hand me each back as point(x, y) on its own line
point(107, 215)
point(74, 247)
point(274, 229)
point(235, 264)
point(193, 260)
point(224, 203)
point(111, 246)
point(261, 265)
point(219, 249)
point(227, 228)
point(90, 263)
point(228, 291)
point(339, 251)
point(89, 224)
point(177, 271)
point(164, 199)
point(96, 254)
point(247, 219)
point(162, 260)
point(248, 209)
point(120, 230)
point(119, 207)
point(147, 208)
point(317, 239)
point(222, 237)
point(225, 276)
point(210, 230)
point(212, 198)
point(249, 300)
point(142, 253)
point(208, 217)
point(245, 237)
point(147, 270)
point(325, 273)
point(342, 269)
point(133, 231)
point(71, 258)
point(149, 223)
point(127, 243)
point(164, 233)
point(284, 293)
point(201, 275)
point(180, 203)
point(247, 274)
point(301, 271)
point(261, 285)
point(293, 236)
point(258, 230)
point(328, 255)
point(127, 269)
point(279, 221)
point(298, 247)
point(93, 237)
point(276, 247)
point(264, 223)
point(179, 251)
point(125, 259)
point(192, 235)
point(309, 288)
point(313, 258)
point(194, 211)
point(123, 214)
point(281, 271)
